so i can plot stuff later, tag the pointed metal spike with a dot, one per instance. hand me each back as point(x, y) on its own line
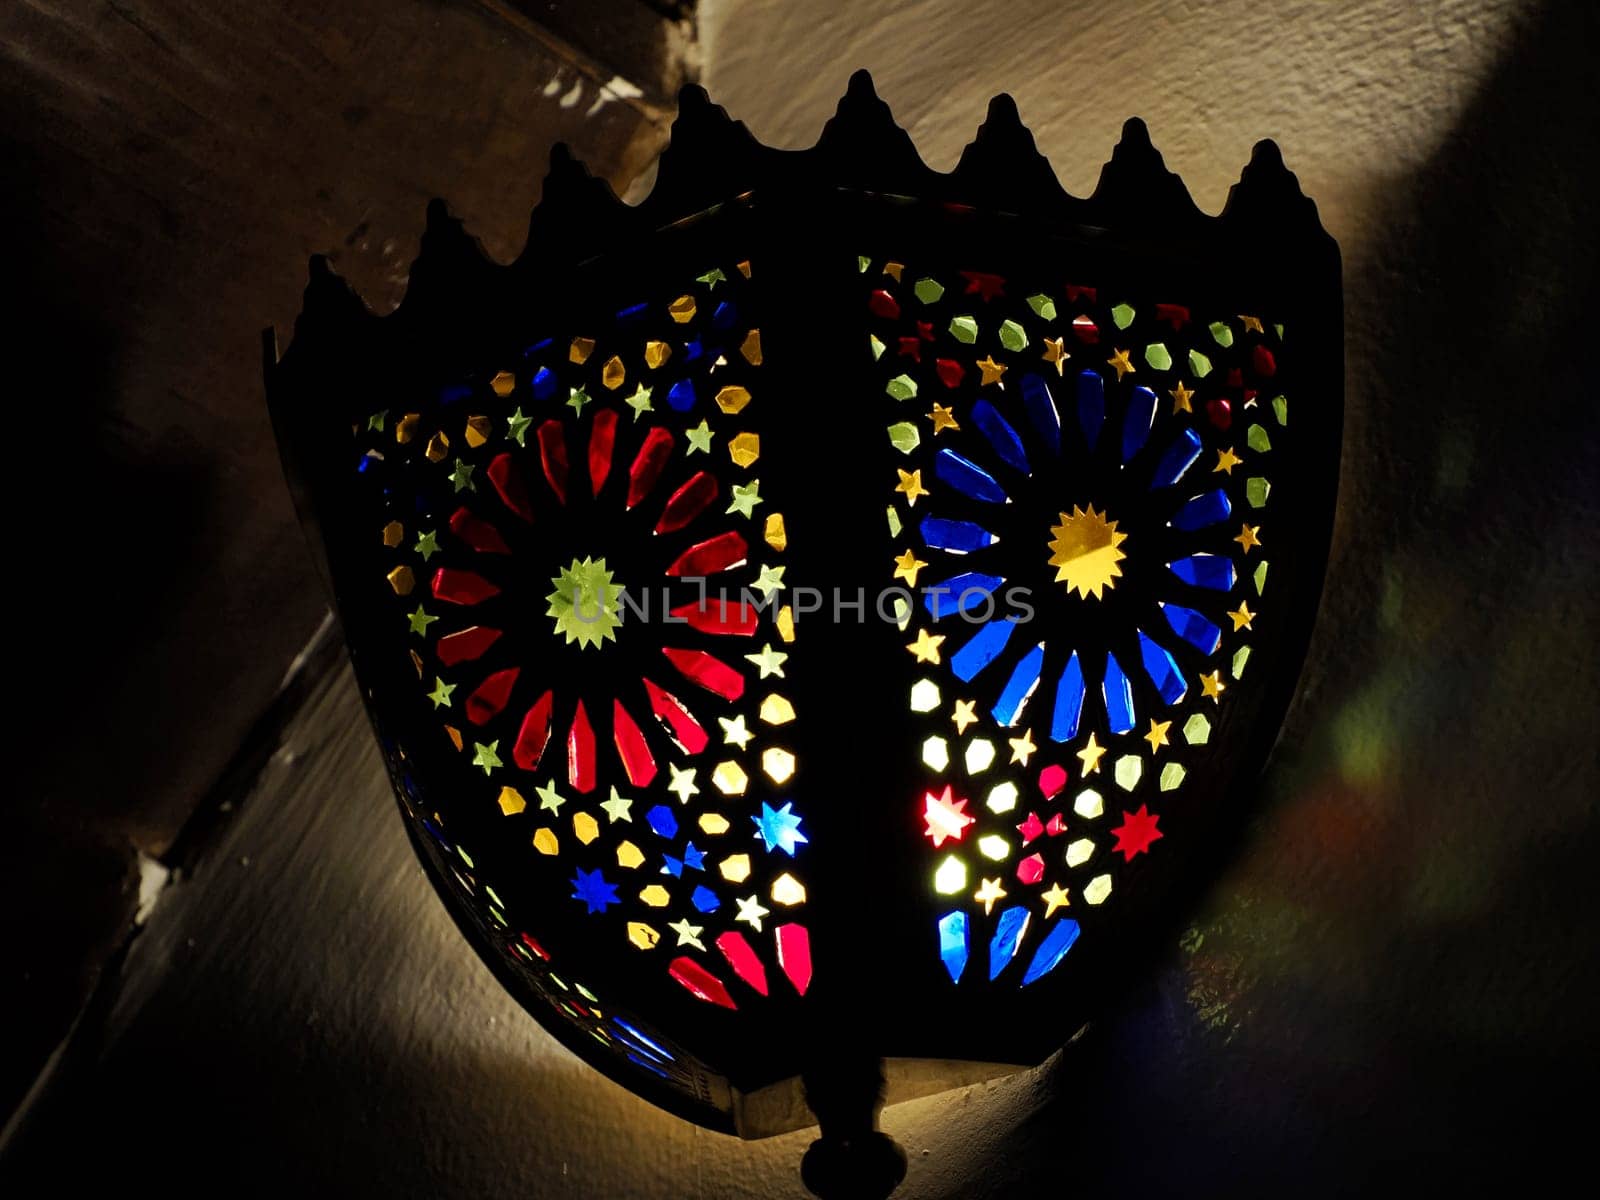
point(1268, 195)
point(1137, 189)
point(863, 142)
point(1002, 164)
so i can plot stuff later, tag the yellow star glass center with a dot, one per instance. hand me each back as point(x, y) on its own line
point(586, 603)
point(1084, 551)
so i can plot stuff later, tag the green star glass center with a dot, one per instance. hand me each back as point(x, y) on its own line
point(586, 603)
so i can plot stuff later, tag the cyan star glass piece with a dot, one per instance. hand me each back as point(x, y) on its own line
point(1162, 669)
point(1041, 409)
point(591, 888)
point(999, 433)
point(661, 820)
point(545, 384)
point(1069, 702)
point(1193, 627)
point(1177, 459)
point(1024, 678)
point(1136, 422)
point(1008, 933)
point(680, 396)
point(967, 477)
point(953, 943)
point(1208, 508)
point(1091, 405)
point(779, 829)
point(1213, 571)
point(982, 648)
point(705, 900)
point(959, 593)
point(1061, 938)
point(1118, 695)
point(959, 537)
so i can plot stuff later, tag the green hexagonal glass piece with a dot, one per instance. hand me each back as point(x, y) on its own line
point(1013, 336)
point(1157, 355)
point(1128, 770)
point(901, 387)
point(1197, 730)
point(1221, 334)
point(1257, 439)
point(928, 290)
point(1171, 776)
point(1256, 490)
point(1199, 364)
point(964, 329)
point(1122, 315)
point(1043, 307)
point(904, 437)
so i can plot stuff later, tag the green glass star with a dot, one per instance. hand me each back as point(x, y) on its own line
point(577, 399)
point(682, 784)
point(585, 603)
point(617, 807)
point(688, 935)
point(462, 477)
point(699, 438)
point(745, 498)
point(485, 756)
point(768, 581)
point(428, 544)
point(640, 401)
point(770, 661)
point(549, 798)
point(441, 693)
point(420, 621)
point(517, 425)
point(378, 419)
point(712, 277)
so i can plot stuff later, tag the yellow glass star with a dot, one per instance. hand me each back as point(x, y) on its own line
point(734, 731)
point(1091, 755)
point(988, 892)
point(1053, 898)
point(1157, 737)
point(1180, 398)
point(1227, 460)
point(769, 661)
point(1119, 361)
point(768, 580)
point(1242, 616)
point(1249, 537)
point(965, 714)
point(906, 567)
point(1251, 324)
point(926, 647)
point(991, 370)
point(1055, 352)
point(942, 418)
point(911, 484)
point(683, 782)
point(1212, 685)
point(1022, 747)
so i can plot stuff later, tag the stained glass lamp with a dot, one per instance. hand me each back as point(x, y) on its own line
point(822, 623)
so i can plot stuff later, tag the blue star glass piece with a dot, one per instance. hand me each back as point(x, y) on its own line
point(672, 866)
point(1008, 934)
point(1208, 508)
point(960, 593)
point(967, 477)
point(1041, 409)
point(1193, 627)
point(779, 829)
point(680, 396)
point(982, 649)
point(959, 537)
point(705, 900)
point(1119, 697)
point(693, 349)
point(999, 433)
point(953, 943)
point(661, 820)
point(1063, 934)
point(1024, 679)
point(1136, 422)
point(1213, 571)
point(694, 859)
point(1069, 702)
point(1162, 669)
point(1176, 459)
point(591, 888)
point(1091, 405)
point(545, 383)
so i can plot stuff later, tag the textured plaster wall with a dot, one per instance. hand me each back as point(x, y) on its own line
point(1384, 980)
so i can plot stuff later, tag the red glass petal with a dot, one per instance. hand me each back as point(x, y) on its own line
point(700, 981)
point(580, 751)
point(602, 438)
point(726, 617)
point(634, 751)
point(950, 372)
point(794, 955)
point(528, 941)
point(508, 482)
point(534, 735)
point(883, 305)
point(462, 587)
point(709, 672)
point(491, 696)
point(1076, 293)
point(1261, 358)
point(553, 457)
point(477, 533)
point(712, 555)
point(676, 719)
point(648, 464)
point(687, 503)
point(465, 645)
point(743, 960)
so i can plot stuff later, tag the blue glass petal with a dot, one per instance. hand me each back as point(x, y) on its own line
point(726, 316)
point(1001, 436)
point(953, 943)
point(661, 820)
point(1214, 571)
point(1019, 687)
point(1063, 934)
point(982, 649)
point(1069, 702)
point(544, 383)
point(693, 349)
point(543, 344)
point(639, 1035)
point(681, 395)
point(959, 593)
point(1008, 934)
point(634, 312)
point(958, 537)
point(1137, 420)
point(639, 1060)
point(1208, 508)
point(1119, 696)
point(1162, 669)
point(704, 899)
point(1193, 628)
point(1041, 409)
point(1177, 459)
point(1091, 405)
point(454, 393)
point(967, 477)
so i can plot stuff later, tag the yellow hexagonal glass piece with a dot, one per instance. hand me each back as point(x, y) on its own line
point(733, 398)
point(730, 779)
point(735, 868)
point(1088, 804)
point(751, 347)
point(936, 753)
point(1002, 797)
point(682, 309)
point(642, 935)
point(478, 431)
point(785, 623)
point(1097, 889)
point(1128, 770)
point(776, 710)
point(511, 801)
point(951, 877)
point(585, 827)
point(714, 824)
point(786, 889)
point(774, 532)
point(1080, 852)
point(655, 896)
point(744, 449)
point(979, 754)
point(924, 696)
point(438, 447)
point(406, 428)
point(503, 384)
point(545, 841)
point(402, 580)
point(778, 763)
point(656, 353)
point(994, 846)
point(393, 533)
point(629, 855)
point(580, 349)
point(613, 374)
